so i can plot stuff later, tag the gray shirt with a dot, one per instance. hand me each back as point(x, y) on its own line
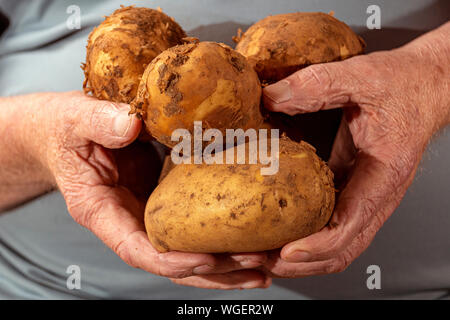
point(39, 240)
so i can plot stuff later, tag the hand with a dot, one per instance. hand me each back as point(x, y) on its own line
point(392, 102)
point(76, 135)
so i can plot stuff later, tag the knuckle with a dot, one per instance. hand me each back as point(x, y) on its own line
point(373, 84)
point(365, 237)
point(92, 216)
point(177, 274)
point(335, 243)
point(99, 112)
point(368, 210)
point(320, 75)
point(377, 67)
point(338, 264)
point(314, 81)
point(280, 269)
point(288, 273)
point(169, 272)
point(122, 250)
point(327, 84)
point(75, 206)
point(165, 267)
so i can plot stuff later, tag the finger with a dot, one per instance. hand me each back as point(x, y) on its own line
point(317, 87)
point(106, 123)
point(112, 214)
point(232, 262)
point(371, 186)
point(247, 279)
point(217, 264)
point(277, 267)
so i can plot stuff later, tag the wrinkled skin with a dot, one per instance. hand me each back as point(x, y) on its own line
point(388, 121)
point(64, 140)
point(393, 102)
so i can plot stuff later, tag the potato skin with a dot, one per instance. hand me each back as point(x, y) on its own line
point(279, 45)
point(199, 81)
point(120, 48)
point(233, 208)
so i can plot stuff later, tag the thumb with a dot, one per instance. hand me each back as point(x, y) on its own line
point(317, 87)
point(107, 123)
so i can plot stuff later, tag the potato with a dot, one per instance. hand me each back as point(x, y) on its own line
point(233, 208)
point(120, 48)
point(279, 45)
point(198, 81)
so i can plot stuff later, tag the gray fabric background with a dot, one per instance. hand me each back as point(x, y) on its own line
point(39, 240)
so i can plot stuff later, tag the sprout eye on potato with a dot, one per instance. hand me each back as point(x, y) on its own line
point(279, 45)
point(233, 208)
point(199, 81)
point(120, 48)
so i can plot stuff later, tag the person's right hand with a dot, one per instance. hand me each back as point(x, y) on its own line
point(72, 140)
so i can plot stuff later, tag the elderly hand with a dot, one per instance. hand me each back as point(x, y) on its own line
point(392, 102)
point(71, 136)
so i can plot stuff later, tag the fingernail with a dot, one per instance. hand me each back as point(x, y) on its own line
point(246, 260)
point(298, 256)
point(122, 123)
point(205, 269)
point(250, 263)
point(252, 284)
point(279, 92)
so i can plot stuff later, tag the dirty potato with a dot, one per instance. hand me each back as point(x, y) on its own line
point(279, 45)
point(198, 81)
point(233, 208)
point(120, 48)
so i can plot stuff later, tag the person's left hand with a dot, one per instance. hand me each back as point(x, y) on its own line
point(391, 110)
